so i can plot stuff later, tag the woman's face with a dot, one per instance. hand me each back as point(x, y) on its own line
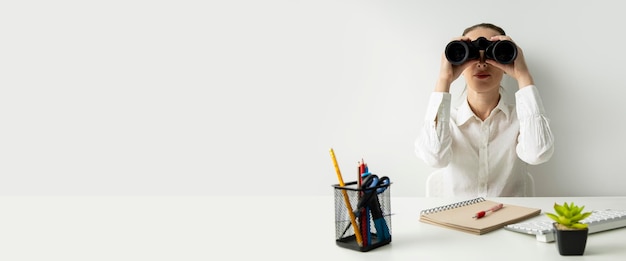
point(481, 77)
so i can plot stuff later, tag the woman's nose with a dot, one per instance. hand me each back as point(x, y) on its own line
point(481, 62)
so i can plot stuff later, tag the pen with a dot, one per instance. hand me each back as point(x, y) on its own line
point(357, 233)
point(483, 213)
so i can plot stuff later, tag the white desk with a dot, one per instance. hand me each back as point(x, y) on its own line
point(259, 228)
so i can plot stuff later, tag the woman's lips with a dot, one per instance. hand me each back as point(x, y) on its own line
point(481, 76)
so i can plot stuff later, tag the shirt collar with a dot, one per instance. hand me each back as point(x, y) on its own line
point(465, 113)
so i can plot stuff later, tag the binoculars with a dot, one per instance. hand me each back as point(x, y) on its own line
point(503, 51)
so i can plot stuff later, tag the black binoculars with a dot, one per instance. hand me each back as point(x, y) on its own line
point(503, 51)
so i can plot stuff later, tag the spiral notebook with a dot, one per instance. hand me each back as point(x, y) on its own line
point(460, 215)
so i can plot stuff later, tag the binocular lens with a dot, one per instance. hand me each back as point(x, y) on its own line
point(457, 52)
point(504, 52)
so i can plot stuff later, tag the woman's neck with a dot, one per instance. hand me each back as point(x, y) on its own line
point(482, 103)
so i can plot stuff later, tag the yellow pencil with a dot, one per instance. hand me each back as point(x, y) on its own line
point(357, 233)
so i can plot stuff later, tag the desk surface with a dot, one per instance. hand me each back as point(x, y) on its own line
point(249, 228)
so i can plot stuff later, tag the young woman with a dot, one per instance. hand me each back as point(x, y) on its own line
point(485, 145)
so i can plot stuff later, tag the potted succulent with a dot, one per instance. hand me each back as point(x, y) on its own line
point(571, 234)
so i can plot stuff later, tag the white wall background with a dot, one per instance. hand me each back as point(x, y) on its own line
point(247, 97)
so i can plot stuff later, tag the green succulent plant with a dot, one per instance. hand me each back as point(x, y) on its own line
point(569, 216)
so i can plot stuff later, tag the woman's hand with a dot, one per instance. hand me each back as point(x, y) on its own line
point(517, 69)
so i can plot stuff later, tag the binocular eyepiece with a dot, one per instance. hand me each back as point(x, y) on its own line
point(503, 51)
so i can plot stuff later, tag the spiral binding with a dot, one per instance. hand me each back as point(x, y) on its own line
point(451, 206)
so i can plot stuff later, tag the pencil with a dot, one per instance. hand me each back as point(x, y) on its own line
point(357, 233)
point(364, 215)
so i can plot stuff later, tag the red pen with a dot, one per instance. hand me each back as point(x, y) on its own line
point(483, 213)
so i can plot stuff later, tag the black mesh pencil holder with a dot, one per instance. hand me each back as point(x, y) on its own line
point(364, 223)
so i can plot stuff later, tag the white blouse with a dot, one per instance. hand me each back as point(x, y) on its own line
point(485, 158)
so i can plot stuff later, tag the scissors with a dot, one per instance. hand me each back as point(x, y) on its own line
point(373, 185)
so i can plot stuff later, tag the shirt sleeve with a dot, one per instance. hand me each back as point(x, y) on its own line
point(433, 143)
point(535, 142)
